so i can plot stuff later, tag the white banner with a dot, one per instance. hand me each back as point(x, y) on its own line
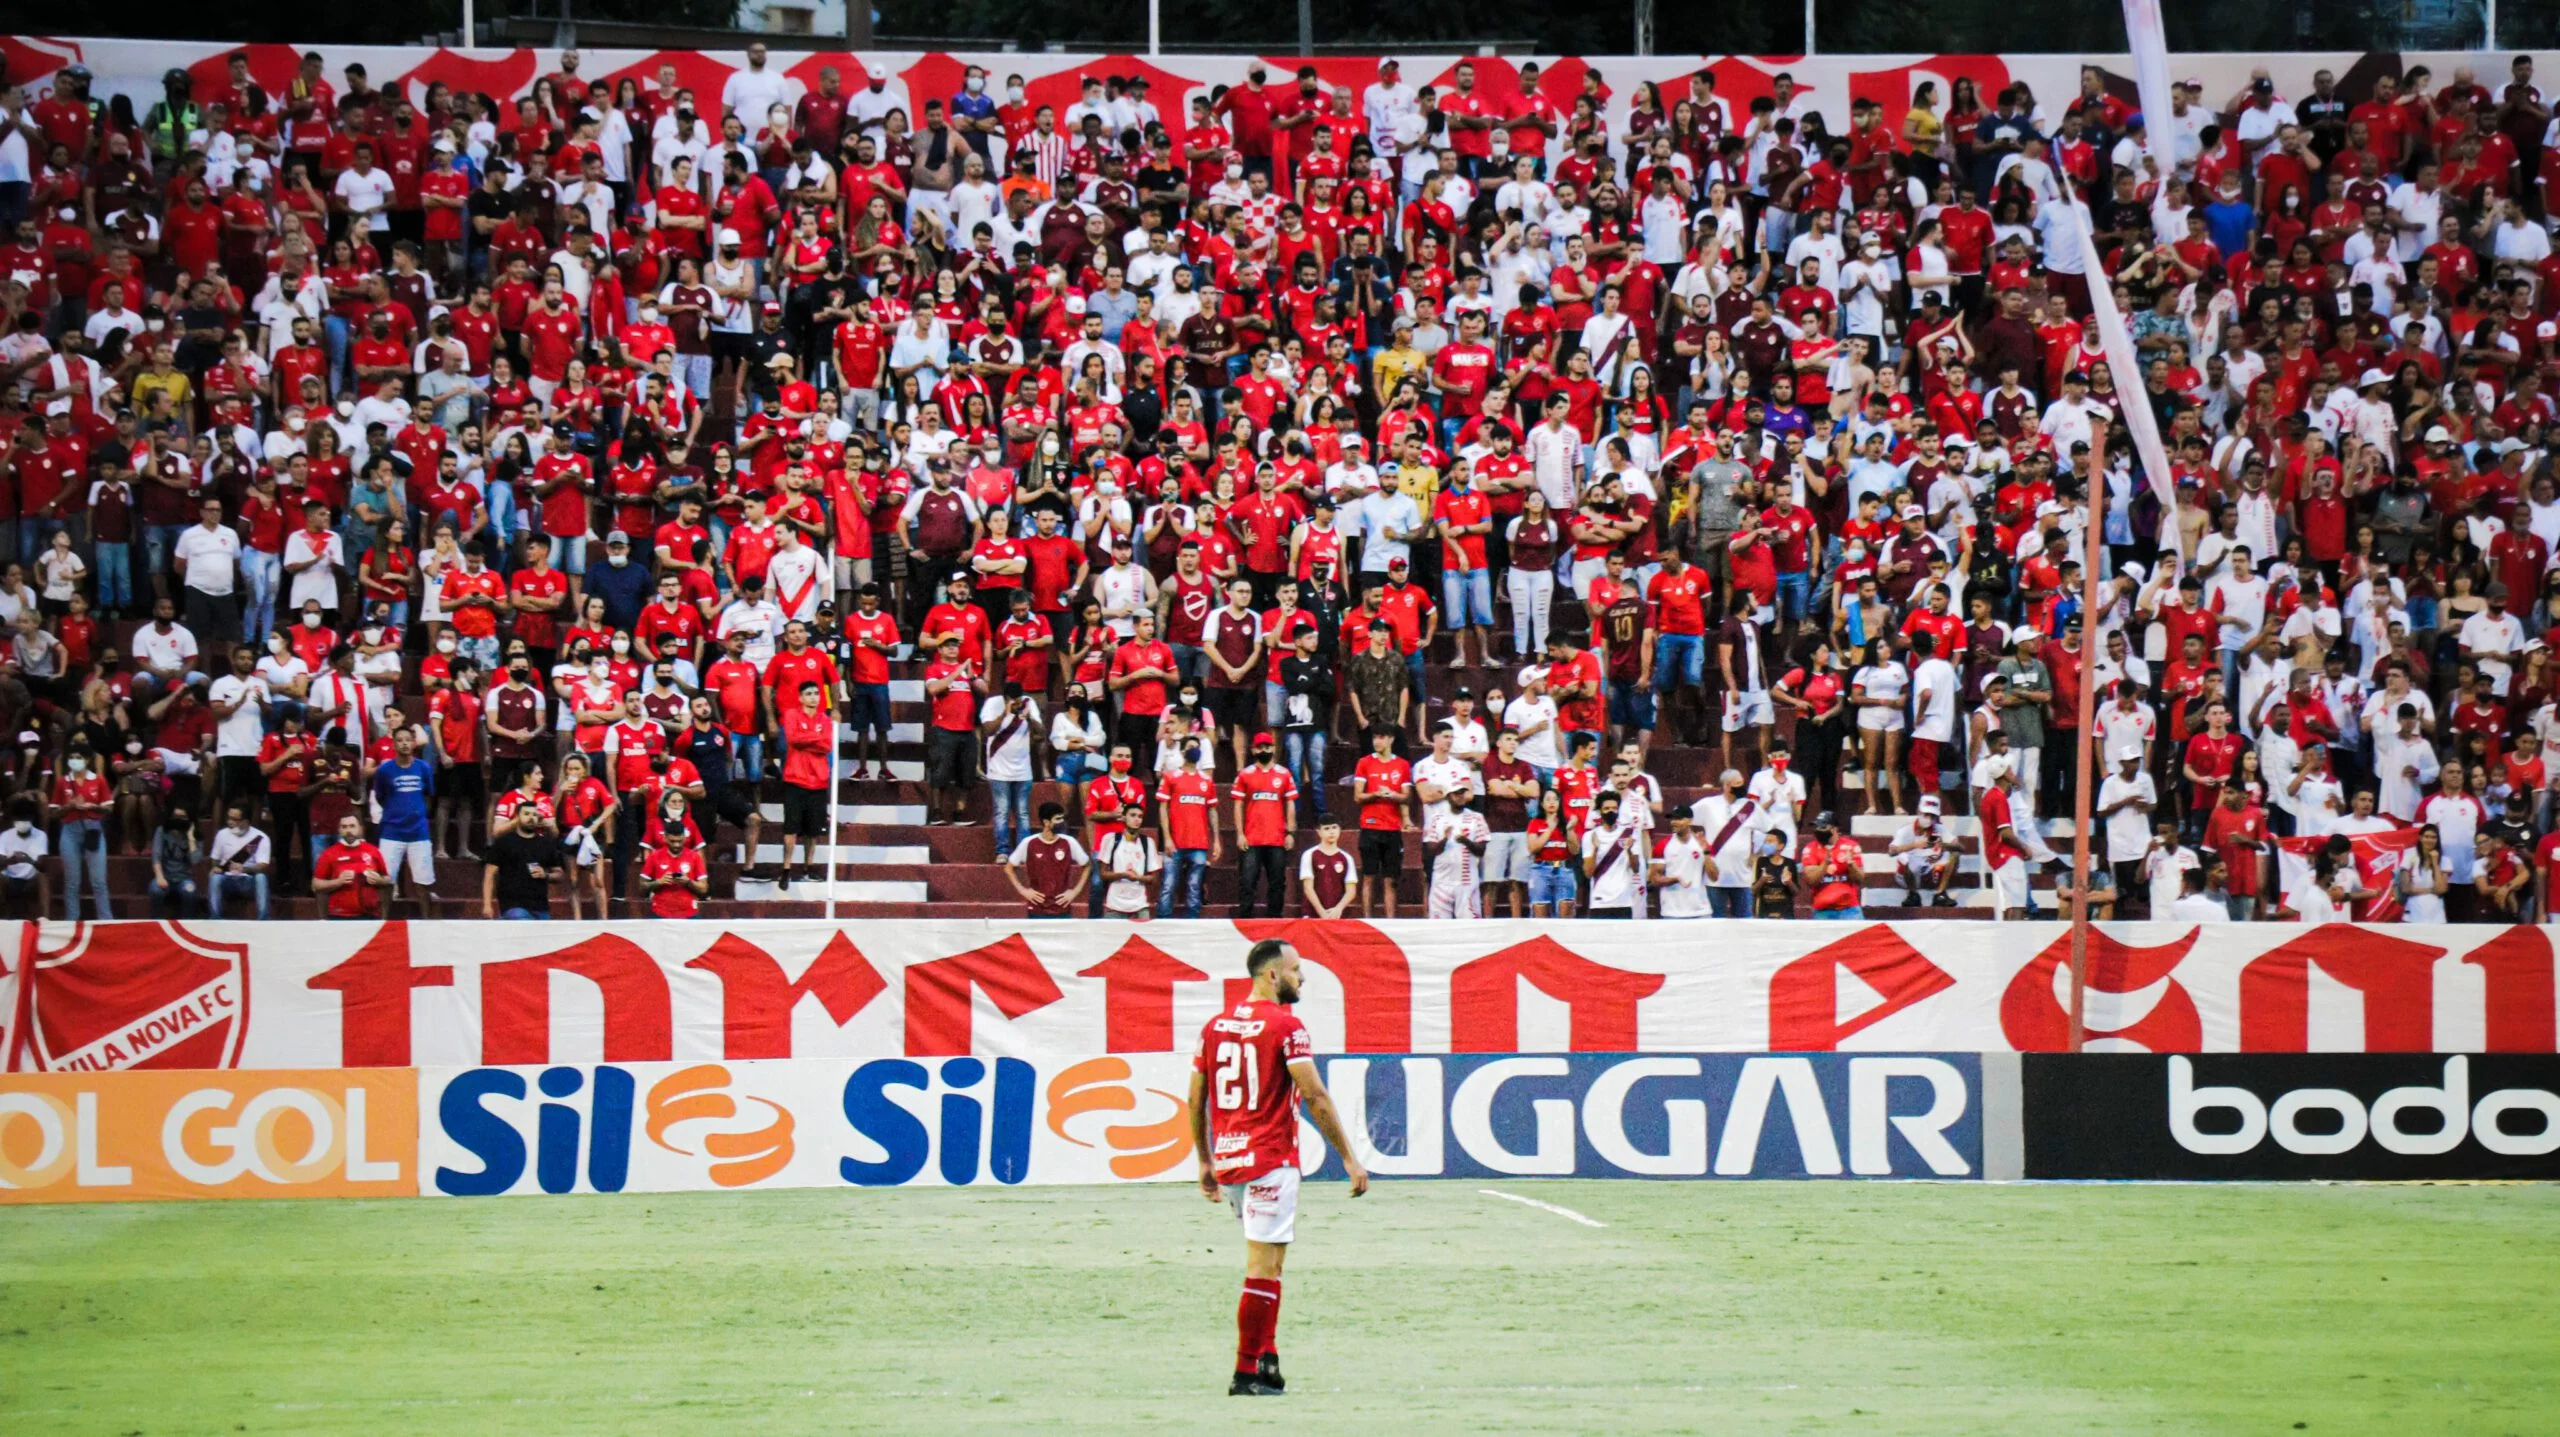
point(1827, 83)
point(888, 1122)
point(318, 995)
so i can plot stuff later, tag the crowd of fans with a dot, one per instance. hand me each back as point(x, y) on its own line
point(541, 480)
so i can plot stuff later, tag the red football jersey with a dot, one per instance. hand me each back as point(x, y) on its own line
point(1244, 1054)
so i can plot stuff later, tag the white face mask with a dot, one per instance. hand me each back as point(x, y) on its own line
point(311, 621)
point(76, 765)
point(977, 84)
point(599, 669)
point(622, 646)
point(444, 646)
point(1013, 93)
point(618, 560)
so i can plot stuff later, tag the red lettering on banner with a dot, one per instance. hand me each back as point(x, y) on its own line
point(515, 1002)
point(1377, 983)
point(756, 1001)
point(373, 988)
point(2518, 966)
point(1007, 971)
point(1137, 996)
point(1804, 996)
point(2034, 1020)
point(1484, 998)
point(2396, 977)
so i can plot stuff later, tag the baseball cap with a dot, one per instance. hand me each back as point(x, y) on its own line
point(1931, 803)
point(1914, 511)
point(2438, 434)
point(730, 236)
point(1264, 737)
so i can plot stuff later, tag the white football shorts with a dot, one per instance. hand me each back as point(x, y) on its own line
point(1268, 1205)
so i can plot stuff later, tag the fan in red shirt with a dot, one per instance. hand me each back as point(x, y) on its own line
point(808, 748)
point(675, 876)
point(352, 873)
point(1253, 1065)
point(2212, 757)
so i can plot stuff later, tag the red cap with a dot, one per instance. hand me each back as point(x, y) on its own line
point(1264, 737)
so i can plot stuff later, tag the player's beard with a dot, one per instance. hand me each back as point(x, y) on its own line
point(1284, 991)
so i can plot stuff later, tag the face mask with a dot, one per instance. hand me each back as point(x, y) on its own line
point(622, 646)
point(24, 827)
point(1013, 93)
point(444, 646)
point(599, 669)
point(311, 621)
point(519, 673)
point(977, 85)
point(1120, 765)
point(76, 765)
point(1235, 172)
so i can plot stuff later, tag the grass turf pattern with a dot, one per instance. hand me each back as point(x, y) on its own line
point(1430, 1306)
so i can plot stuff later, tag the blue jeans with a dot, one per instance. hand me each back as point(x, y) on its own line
point(1013, 812)
point(1184, 871)
point(115, 577)
point(750, 756)
point(1838, 914)
point(84, 849)
point(262, 570)
point(159, 543)
point(1072, 768)
point(169, 900)
point(35, 535)
point(1726, 902)
point(1679, 661)
point(1795, 596)
point(1551, 884)
point(254, 885)
point(335, 337)
point(1466, 598)
point(1306, 767)
point(520, 915)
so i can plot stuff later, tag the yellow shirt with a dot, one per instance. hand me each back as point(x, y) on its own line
point(174, 383)
point(1391, 366)
point(1420, 483)
point(1925, 124)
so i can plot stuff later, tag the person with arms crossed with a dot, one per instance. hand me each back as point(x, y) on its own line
point(1048, 867)
point(1253, 1064)
point(1328, 874)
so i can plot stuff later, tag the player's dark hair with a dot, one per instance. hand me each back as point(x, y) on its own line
point(1263, 955)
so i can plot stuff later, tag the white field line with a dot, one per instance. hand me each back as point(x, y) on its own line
point(1562, 1212)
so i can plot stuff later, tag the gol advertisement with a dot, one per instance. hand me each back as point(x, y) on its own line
point(134, 1136)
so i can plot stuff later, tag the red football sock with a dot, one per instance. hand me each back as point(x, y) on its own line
point(1257, 1314)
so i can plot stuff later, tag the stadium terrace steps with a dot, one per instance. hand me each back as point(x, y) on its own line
point(891, 865)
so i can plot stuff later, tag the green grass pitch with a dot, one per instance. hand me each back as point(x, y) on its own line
point(1424, 1307)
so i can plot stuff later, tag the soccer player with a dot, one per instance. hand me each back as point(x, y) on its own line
point(1244, 1126)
